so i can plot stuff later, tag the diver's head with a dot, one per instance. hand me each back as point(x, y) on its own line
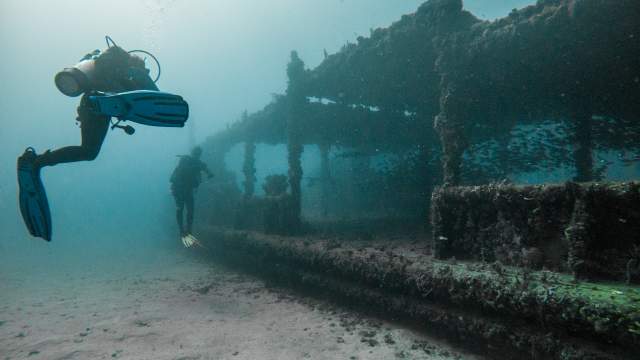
point(196, 152)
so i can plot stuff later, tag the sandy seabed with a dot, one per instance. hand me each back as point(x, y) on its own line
point(182, 307)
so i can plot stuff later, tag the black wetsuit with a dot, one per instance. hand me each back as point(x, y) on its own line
point(185, 179)
point(93, 131)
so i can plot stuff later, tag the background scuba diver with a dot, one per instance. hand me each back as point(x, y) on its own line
point(186, 177)
point(113, 83)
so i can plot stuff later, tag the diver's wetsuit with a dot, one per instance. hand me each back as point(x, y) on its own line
point(184, 180)
point(93, 130)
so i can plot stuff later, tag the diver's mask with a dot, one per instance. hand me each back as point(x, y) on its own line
point(81, 77)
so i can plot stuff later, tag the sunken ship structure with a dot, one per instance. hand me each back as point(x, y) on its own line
point(422, 133)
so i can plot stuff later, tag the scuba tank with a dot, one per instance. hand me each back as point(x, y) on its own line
point(85, 75)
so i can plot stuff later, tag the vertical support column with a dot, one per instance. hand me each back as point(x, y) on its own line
point(427, 176)
point(325, 177)
point(583, 153)
point(578, 233)
point(449, 126)
point(249, 168)
point(296, 102)
point(295, 178)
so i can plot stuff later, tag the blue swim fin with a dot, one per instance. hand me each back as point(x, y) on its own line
point(34, 206)
point(147, 107)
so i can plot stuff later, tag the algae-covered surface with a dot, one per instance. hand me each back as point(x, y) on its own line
point(542, 302)
point(609, 311)
point(624, 298)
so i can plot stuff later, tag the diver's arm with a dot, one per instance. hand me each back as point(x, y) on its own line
point(205, 168)
point(174, 175)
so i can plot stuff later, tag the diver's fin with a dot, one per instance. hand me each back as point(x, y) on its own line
point(186, 241)
point(147, 107)
point(190, 241)
point(195, 241)
point(33, 198)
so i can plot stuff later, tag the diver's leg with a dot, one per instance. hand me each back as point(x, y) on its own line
point(189, 203)
point(93, 129)
point(179, 214)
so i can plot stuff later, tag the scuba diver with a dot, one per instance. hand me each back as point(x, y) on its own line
point(186, 177)
point(113, 83)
